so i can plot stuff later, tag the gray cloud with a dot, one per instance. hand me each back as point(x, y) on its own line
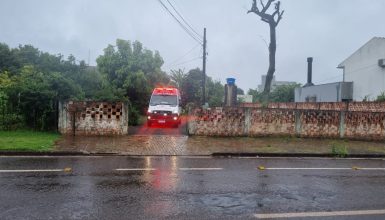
point(327, 30)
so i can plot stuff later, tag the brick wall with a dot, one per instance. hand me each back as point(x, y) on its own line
point(93, 118)
point(367, 106)
point(226, 121)
point(318, 123)
point(267, 122)
point(336, 106)
point(364, 124)
point(364, 121)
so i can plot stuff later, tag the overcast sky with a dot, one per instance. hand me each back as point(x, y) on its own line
point(328, 30)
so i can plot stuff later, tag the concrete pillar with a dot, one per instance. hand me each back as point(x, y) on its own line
point(298, 125)
point(246, 130)
point(190, 122)
point(342, 124)
point(230, 95)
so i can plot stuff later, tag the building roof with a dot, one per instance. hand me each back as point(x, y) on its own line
point(374, 39)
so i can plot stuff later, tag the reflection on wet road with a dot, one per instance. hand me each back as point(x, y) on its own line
point(160, 129)
point(188, 187)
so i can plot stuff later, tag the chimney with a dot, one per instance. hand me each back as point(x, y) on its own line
point(309, 72)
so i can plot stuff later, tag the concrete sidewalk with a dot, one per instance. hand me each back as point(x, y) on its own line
point(200, 146)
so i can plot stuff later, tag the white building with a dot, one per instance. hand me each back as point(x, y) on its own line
point(329, 92)
point(245, 98)
point(274, 83)
point(366, 69)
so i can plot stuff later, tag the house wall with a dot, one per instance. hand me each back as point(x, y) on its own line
point(364, 121)
point(331, 92)
point(93, 118)
point(362, 68)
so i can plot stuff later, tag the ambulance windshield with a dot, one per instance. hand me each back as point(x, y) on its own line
point(163, 100)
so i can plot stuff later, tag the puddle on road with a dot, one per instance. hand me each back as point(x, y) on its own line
point(164, 143)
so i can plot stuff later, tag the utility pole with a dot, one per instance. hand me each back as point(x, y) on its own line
point(204, 68)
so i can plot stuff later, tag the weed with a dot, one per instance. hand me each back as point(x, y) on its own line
point(339, 150)
point(289, 139)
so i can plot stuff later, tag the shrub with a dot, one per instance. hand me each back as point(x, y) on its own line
point(339, 150)
point(381, 97)
point(133, 116)
point(11, 121)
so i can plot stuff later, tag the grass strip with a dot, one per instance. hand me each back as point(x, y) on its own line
point(27, 141)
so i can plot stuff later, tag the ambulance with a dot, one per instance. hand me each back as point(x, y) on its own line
point(164, 107)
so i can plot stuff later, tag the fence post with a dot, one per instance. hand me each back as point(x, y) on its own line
point(342, 124)
point(298, 123)
point(247, 122)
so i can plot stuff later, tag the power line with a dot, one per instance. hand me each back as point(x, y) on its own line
point(188, 61)
point(184, 55)
point(180, 23)
point(184, 20)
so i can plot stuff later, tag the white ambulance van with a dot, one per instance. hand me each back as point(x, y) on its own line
point(164, 107)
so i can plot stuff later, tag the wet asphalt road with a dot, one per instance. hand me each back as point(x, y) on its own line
point(173, 187)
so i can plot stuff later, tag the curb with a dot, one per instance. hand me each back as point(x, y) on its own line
point(48, 153)
point(215, 154)
point(62, 153)
point(221, 154)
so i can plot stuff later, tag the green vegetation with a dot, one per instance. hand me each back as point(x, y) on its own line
point(284, 93)
point(27, 140)
point(339, 150)
point(32, 83)
point(191, 88)
point(381, 97)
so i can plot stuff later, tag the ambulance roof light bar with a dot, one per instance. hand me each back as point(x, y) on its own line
point(165, 91)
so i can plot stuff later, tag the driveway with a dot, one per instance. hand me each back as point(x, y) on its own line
point(159, 129)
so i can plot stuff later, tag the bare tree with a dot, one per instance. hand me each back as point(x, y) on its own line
point(177, 77)
point(273, 20)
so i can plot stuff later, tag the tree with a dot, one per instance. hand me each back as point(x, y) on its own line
point(191, 92)
point(381, 97)
point(215, 92)
point(191, 89)
point(31, 84)
point(8, 61)
point(177, 77)
point(283, 93)
point(257, 96)
point(5, 84)
point(131, 72)
point(272, 20)
point(240, 91)
point(37, 94)
point(41, 82)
